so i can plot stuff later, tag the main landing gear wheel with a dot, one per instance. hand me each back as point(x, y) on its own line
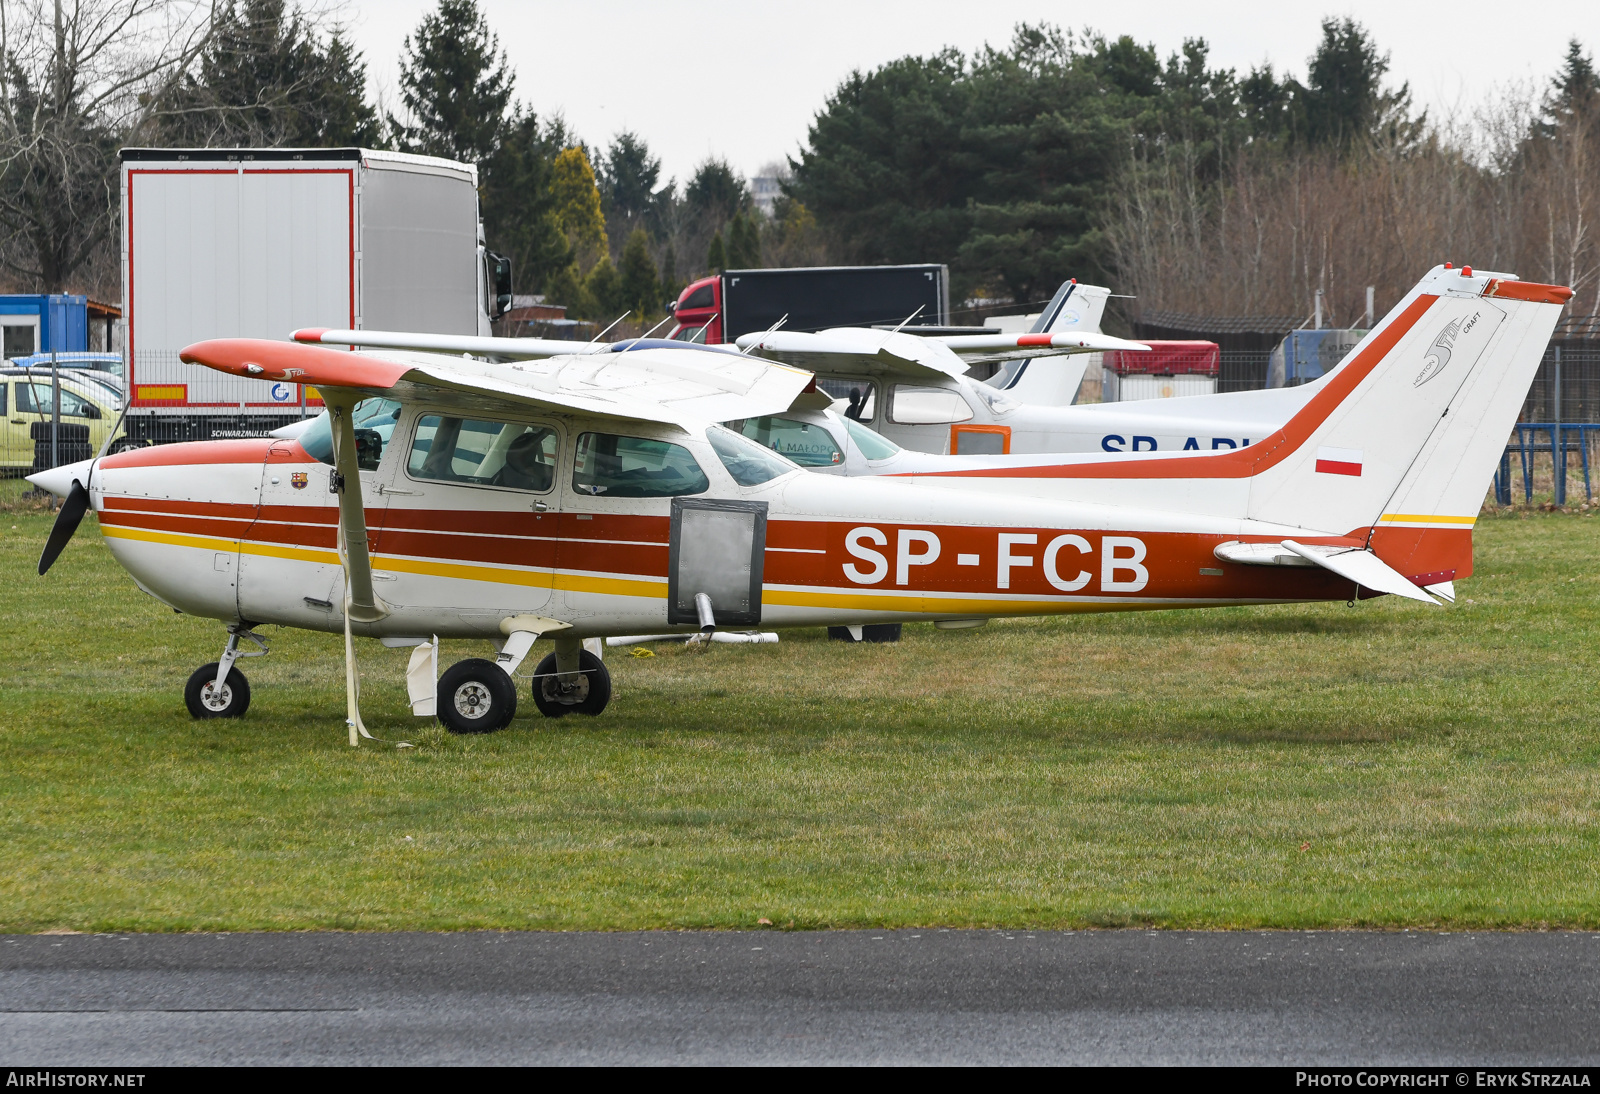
point(476, 696)
point(205, 700)
point(589, 695)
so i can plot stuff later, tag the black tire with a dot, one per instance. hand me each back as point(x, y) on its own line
point(198, 697)
point(589, 697)
point(476, 696)
point(872, 632)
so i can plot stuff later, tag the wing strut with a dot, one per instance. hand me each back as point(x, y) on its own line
point(361, 603)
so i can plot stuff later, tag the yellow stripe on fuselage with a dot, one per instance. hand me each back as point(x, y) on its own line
point(465, 571)
point(1424, 518)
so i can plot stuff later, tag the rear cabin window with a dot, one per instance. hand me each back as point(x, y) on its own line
point(509, 454)
point(611, 466)
point(806, 444)
point(853, 399)
point(927, 406)
point(749, 463)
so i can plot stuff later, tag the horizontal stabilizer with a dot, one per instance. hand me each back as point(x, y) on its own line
point(1363, 567)
point(1066, 342)
point(1445, 591)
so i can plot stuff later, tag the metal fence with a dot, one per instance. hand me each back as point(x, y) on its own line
point(1243, 370)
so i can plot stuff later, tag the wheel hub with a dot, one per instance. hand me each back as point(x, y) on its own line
point(215, 698)
point(473, 700)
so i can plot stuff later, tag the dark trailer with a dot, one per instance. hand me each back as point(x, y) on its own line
point(722, 307)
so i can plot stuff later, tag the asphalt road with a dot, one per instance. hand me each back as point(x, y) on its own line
point(928, 996)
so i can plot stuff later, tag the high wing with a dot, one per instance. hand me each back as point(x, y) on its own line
point(859, 350)
point(684, 384)
point(978, 348)
point(505, 349)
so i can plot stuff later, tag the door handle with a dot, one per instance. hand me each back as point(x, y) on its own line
point(540, 507)
point(18, 421)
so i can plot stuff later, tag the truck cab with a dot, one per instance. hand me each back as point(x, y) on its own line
point(699, 312)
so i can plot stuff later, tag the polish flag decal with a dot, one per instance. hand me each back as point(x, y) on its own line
point(1339, 461)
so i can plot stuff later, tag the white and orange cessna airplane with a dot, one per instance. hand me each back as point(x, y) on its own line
point(581, 497)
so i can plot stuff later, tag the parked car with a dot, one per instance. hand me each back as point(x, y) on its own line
point(27, 398)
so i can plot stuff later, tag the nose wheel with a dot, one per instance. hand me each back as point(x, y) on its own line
point(476, 696)
point(206, 700)
point(587, 693)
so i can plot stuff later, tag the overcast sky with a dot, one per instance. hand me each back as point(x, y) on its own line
point(743, 80)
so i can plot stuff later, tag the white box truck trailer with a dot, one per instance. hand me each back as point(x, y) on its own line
point(255, 243)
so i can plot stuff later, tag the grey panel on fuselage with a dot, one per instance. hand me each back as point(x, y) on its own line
point(717, 549)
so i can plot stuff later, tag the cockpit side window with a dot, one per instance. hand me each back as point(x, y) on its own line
point(514, 455)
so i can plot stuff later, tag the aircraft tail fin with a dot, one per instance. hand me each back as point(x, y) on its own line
point(1400, 444)
point(1074, 309)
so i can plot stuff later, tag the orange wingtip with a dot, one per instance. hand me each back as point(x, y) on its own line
point(259, 359)
point(310, 334)
point(1528, 290)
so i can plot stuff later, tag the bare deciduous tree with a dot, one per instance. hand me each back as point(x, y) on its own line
point(1498, 191)
point(77, 78)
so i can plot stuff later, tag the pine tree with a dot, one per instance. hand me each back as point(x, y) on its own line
point(716, 192)
point(671, 283)
point(577, 203)
point(1575, 90)
point(744, 243)
point(641, 288)
point(716, 255)
point(266, 79)
point(456, 83)
point(628, 175)
point(519, 202)
point(605, 289)
point(1345, 100)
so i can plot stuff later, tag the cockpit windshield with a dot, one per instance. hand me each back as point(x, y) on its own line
point(374, 421)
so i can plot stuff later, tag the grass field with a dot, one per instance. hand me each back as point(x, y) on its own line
point(1387, 764)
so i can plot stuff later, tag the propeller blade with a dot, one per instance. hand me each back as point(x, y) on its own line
point(68, 517)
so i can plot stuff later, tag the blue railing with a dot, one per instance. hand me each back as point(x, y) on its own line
point(1559, 440)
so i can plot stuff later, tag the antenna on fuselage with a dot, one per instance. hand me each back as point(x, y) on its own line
point(904, 321)
point(647, 333)
point(614, 322)
point(781, 320)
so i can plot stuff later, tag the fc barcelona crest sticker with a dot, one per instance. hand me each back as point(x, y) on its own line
point(298, 480)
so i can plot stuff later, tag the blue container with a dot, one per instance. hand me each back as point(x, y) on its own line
point(32, 324)
point(1305, 355)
